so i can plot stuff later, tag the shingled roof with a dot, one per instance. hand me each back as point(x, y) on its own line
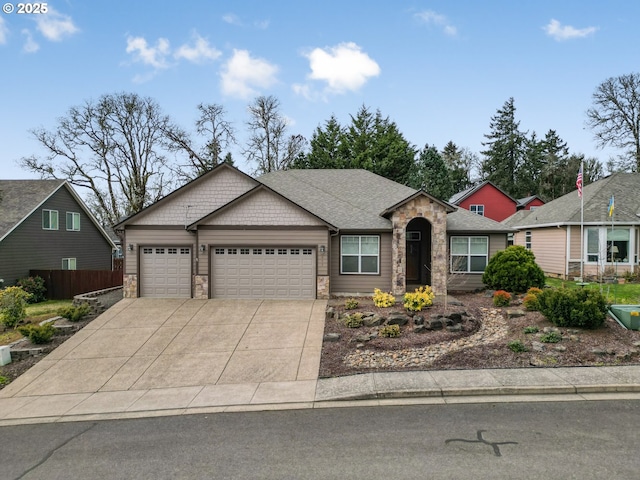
point(18, 198)
point(565, 210)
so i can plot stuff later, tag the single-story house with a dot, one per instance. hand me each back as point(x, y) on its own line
point(607, 243)
point(45, 225)
point(301, 234)
point(487, 200)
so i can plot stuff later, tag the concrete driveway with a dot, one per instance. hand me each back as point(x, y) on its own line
point(145, 354)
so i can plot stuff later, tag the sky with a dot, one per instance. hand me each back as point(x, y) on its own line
point(438, 69)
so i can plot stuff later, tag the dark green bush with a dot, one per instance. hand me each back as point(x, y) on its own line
point(566, 307)
point(513, 269)
point(75, 313)
point(34, 286)
point(517, 346)
point(38, 333)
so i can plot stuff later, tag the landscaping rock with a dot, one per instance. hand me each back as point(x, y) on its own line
point(560, 348)
point(550, 329)
point(537, 346)
point(397, 319)
point(456, 317)
point(419, 328)
point(418, 320)
point(435, 324)
point(331, 337)
point(329, 313)
point(514, 312)
point(374, 320)
point(455, 328)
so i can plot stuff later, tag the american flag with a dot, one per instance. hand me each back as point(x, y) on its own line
point(579, 182)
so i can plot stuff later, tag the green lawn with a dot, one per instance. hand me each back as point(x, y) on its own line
point(36, 313)
point(627, 293)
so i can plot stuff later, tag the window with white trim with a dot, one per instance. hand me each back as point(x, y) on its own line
point(360, 254)
point(527, 239)
point(479, 209)
point(469, 254)
point(607, 245)
point(68, 264)
point(73, 221)
point(49, 219)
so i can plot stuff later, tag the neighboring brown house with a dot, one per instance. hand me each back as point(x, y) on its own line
point(44, 224)
point(301, 234)
point(487, 200)
point(609, 243)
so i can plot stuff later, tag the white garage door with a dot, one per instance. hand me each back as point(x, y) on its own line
point(165, 272)
point(263, 272)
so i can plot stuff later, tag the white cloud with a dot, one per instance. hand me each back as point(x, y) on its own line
point(4, 32)
point(199, 52)
point(155, 56)
point(344, 67)
point(30, 45)
point(242, 74)
point(55, 26)
point(560, 32)
point(261, 24)
point(432, 18)
point(232, 19)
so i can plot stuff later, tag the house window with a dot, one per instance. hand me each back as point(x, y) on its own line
point(469, 254)
point(68, 264)
point(479, 209)
point(49, 219)
point(608, 245)
point(360, 254)
point(533, 207)
point(527, 239)
point(73, 221)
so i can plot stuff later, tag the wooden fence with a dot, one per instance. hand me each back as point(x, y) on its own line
point(64, 284)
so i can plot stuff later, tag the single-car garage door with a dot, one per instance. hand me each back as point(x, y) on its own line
point(165, 272)
point(263, 272)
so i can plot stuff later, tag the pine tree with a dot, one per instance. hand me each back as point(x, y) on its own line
point(431, 174)
point(505, 149)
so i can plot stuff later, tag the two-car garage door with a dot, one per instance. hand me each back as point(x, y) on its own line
point(263, 272)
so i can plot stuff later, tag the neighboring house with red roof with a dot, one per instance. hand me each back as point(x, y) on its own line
point(487, 200)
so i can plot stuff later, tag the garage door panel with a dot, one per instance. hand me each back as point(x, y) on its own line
point(260, 272)
point(165, 272)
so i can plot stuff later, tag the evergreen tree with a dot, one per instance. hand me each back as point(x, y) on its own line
point(327, 148)
point(505, 149)
point(431, 174)
point(556, 164)
point(459, 164)
point(530, 173)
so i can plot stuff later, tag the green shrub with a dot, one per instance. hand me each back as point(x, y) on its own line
point(416, 301)
point(3, 380)
point(354, 320)
point(551, 337)
point(38, 333)
point(501, 298)
point(34, 286)
point(13, 306)
point(517, 346)
point(351, 303)
point(580, 307)
point(75, 313)
point(390, 331)
point(531, 329)
point(530, 302)
point(513, 269)
point(383, 299)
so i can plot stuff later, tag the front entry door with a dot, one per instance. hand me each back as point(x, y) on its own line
point(413, 261)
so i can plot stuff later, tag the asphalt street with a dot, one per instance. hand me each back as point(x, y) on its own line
point(559, 440)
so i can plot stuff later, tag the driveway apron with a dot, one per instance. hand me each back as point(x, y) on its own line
point(145, 354)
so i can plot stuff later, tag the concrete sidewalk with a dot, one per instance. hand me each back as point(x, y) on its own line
point(152, 357)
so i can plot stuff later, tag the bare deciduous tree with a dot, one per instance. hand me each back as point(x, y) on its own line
point(615, 116)
point(268, 146)
point(218, 133)
point(113, 148)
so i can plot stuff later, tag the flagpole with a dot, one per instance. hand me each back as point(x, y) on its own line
point(581, 221)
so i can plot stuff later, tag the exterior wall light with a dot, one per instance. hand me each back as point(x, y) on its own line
point(323, 249)
point(203, 248)
point(130, 247)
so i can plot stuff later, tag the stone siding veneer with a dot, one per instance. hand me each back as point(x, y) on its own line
point(201, 286)
point(434, 213)
point(130, 286)
point(322, 287)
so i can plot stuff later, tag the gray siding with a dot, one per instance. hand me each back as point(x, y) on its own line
point(30, 247)
point(158, 236)
point(312, 237)
point(473, 281)
point(364, 284)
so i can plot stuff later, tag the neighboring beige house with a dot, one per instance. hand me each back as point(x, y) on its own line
point(609, 243)
point(302, 234)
